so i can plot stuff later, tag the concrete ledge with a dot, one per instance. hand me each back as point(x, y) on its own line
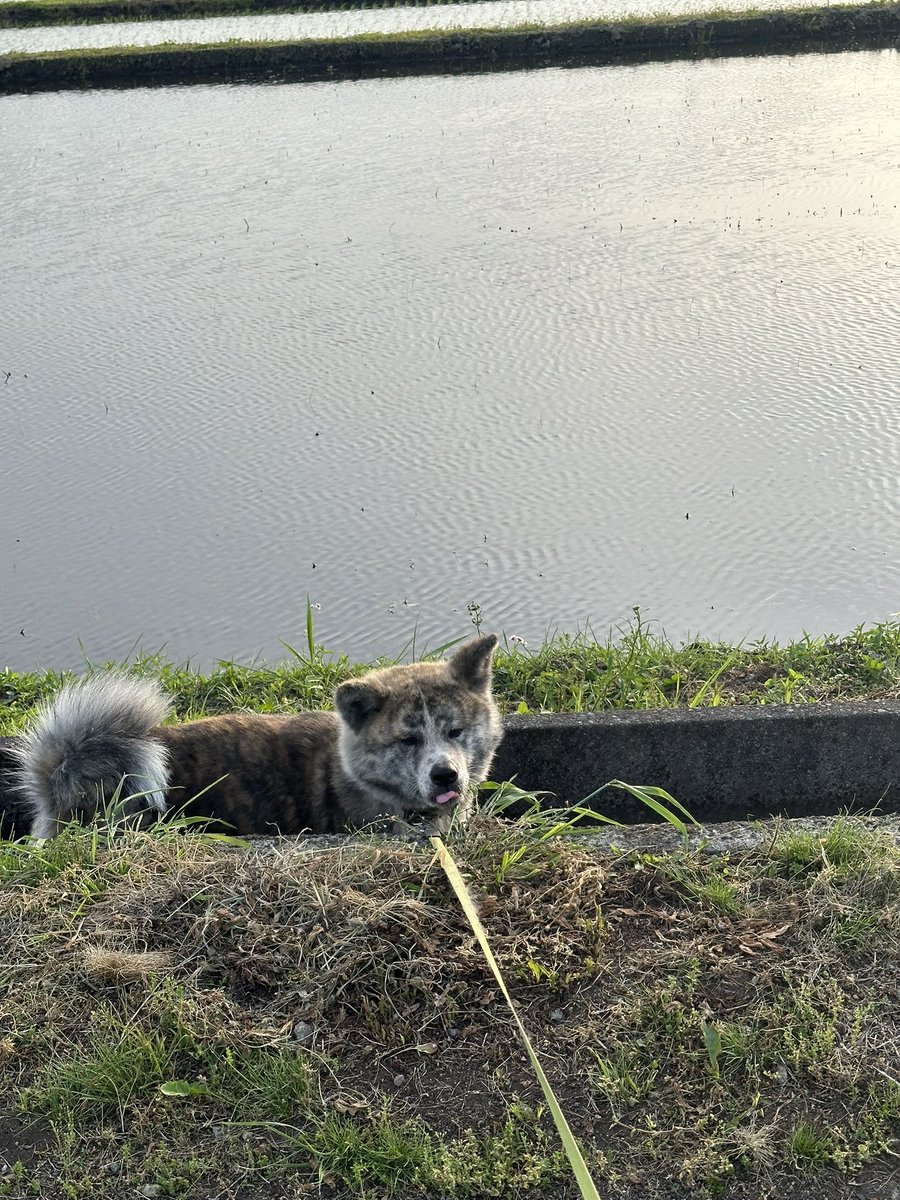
point(723, 764)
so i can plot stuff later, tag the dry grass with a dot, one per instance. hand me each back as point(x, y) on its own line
point(110, 966)
point(212, 1021)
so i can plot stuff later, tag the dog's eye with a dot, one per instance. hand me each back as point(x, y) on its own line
point(410, 740)
point(455, 733)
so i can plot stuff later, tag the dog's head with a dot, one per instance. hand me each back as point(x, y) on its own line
point(419, 738)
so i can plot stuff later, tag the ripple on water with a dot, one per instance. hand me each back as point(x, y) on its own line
point(633, 327)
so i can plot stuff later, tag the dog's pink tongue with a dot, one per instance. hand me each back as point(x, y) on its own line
point(446, 797)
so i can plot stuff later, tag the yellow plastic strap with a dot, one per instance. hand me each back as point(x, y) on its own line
point(579, 1166)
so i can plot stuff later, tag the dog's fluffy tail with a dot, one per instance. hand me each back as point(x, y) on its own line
point(90, 743)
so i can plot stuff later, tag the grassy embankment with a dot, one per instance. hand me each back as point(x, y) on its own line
point(633, 668)
point(180, 1016)
point(24, 13)
point(183, 1018)
point(631, 38)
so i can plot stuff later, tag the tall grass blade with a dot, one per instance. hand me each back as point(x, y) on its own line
point(712, 1039)
point(310, 635)
point(697, 700)
point(296, 653)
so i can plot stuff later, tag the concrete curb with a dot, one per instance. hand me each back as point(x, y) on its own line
point(723, 764)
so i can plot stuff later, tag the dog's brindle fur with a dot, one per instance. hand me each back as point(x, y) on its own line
point(400, 738)
point(281, 773)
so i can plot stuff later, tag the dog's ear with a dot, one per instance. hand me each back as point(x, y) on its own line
point(470, 665)
point(356, 700)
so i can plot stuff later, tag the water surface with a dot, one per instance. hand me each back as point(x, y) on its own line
point(553, 342)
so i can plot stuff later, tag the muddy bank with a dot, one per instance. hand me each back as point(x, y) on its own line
point(794, 30)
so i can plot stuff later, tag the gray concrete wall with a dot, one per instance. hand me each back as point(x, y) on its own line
point(721, 763)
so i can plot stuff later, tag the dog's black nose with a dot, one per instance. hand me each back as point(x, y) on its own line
point(444, 777)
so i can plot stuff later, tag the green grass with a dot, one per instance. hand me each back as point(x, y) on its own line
point(846, 850)
point(389, 1157)
point(634, 667)
point(120, 1065)
point(810, 1147)
point(711, 883)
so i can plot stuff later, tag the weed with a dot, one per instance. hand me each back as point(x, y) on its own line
point(737, 1047)
point(853, 932)
point(622, 1078)
point(810, 1148)
point(261, 1084)
point(710, 882)
point(118, 1065)
point(848, 848)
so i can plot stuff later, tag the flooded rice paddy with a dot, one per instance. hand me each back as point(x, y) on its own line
point(552, 342)
point(488, 14)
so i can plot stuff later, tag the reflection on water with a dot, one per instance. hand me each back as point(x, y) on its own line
point(556, 342)
point(492, 14)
